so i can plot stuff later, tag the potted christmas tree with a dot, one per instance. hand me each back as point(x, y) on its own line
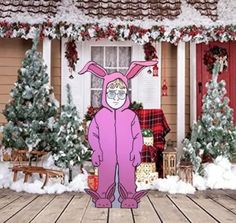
point(214, 134)
point(70, 148)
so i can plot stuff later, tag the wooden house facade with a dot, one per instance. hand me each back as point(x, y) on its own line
point(179, 30)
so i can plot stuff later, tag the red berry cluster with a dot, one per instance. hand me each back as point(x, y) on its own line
point(91, 113)
point(71, 54)
point(150, 52)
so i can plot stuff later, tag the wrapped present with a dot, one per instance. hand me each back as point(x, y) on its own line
point(93, 180)
point(148, 141)
point(147, 137)
point(144, 170)
point(148, 179)
point(148, 153)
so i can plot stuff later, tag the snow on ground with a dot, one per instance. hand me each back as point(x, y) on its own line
point(171, 184)
point(218, 175)
point(79, 182)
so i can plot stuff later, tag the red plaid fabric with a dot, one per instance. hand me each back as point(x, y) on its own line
point(148, 154)
point(154, 119)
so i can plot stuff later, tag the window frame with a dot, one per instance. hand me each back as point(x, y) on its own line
point(80, 84)
point(117, 46)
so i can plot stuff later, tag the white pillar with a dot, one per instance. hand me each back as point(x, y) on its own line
point(159, 53)
point(180, 95)
point(47, 49)
point(193, 83)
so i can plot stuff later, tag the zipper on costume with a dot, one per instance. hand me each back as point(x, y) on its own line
point(115, 134)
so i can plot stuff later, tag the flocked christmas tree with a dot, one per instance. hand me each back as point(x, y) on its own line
point(214, 134)
point(69, 137)
point(32, 106)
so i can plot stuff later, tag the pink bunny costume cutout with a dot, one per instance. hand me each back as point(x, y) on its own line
point(116, 140)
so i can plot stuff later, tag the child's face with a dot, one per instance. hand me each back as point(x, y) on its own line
point(116, 97)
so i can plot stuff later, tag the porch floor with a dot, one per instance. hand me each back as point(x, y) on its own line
point(208, 206)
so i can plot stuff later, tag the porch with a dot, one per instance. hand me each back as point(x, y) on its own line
point(208, 206)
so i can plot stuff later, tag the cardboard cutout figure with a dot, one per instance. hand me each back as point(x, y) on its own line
point(116, 139)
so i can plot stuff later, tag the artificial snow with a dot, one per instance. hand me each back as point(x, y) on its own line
point(189, 16)
point(218, 175)
point(34, 185)
point(171, 184)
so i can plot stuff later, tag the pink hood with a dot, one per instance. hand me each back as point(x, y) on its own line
point(109, 78)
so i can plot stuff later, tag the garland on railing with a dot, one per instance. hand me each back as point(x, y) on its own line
point(120, 32)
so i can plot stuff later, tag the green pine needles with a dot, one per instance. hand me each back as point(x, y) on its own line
point(69, 139)
point(214, 134)
point(32, 106)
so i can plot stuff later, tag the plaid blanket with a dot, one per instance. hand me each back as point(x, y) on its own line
point(154, 119)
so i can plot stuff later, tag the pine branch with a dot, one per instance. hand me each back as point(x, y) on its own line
point(69, 95)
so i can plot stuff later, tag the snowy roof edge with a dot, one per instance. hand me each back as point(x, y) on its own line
point(69, 13)
point(71, 22)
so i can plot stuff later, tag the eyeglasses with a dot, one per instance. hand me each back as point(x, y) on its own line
point(120, 94)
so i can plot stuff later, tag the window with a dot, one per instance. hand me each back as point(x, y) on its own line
point(112, 58)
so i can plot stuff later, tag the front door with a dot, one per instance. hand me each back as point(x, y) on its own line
point(229, 75)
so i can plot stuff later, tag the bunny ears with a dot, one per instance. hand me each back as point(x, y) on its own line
point(135, 68)
point(94, 68)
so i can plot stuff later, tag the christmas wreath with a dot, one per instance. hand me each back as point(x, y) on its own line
point(216, 54)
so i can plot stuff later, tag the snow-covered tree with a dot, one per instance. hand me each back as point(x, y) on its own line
point(70, 148)
point(214, 133)
point(32, 106)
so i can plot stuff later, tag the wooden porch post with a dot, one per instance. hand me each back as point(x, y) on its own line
point(180, 95)
point(64, 71)
point(193, 80)
point(47, 48)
